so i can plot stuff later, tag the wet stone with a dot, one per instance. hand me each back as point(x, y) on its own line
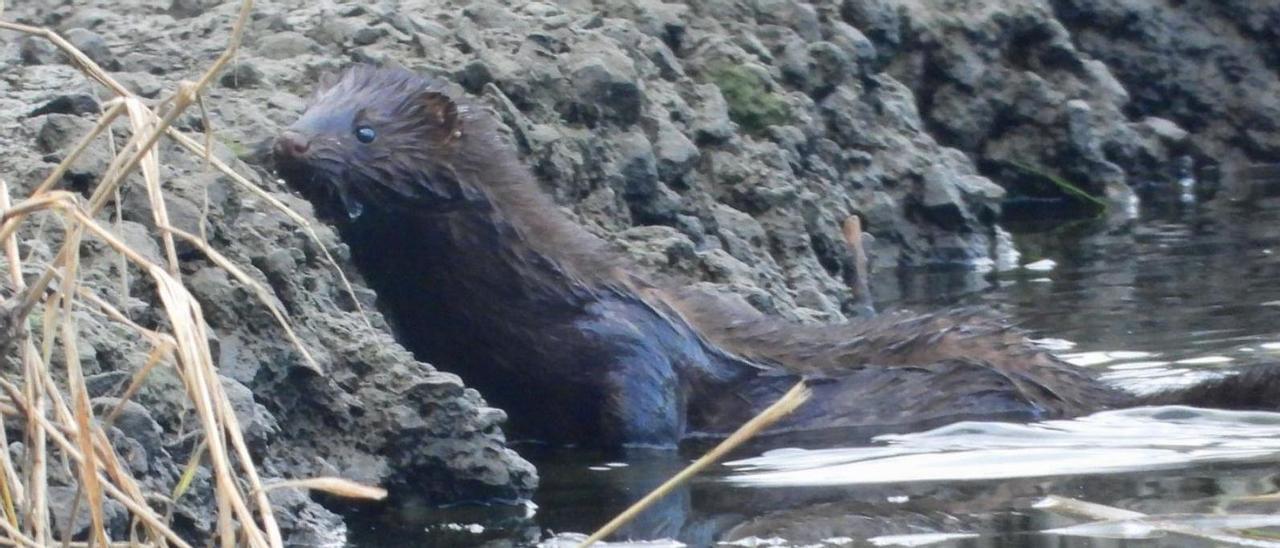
point(942, 201)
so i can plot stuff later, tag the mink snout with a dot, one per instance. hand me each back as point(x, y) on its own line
point(290, 146)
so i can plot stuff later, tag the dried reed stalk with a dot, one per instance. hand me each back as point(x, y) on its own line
point(784, 406)
point(60, 425)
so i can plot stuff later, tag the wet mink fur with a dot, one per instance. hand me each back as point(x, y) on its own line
point(484, 276)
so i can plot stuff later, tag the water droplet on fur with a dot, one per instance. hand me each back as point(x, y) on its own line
point(354, 209)
point(353, 206)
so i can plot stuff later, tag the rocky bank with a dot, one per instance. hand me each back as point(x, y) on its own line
point(721, 141)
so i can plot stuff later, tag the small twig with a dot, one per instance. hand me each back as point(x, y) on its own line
point(852, 230)
point(141, 118)
point(334, 486)
point(1101, 512)
point(13, 492)
point(781, 408)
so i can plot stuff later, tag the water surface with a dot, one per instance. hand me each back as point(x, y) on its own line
point(1180, 293)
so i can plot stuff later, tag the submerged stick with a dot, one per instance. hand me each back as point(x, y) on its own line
point(784, 406)
point(852, 231)
point(1103, 513)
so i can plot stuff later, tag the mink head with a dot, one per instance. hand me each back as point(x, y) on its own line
point(380, 138)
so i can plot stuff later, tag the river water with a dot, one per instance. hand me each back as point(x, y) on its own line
point(1181, 292)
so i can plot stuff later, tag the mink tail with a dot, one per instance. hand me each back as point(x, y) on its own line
point(957, 355)
point(954, 358)
point(1255, 388)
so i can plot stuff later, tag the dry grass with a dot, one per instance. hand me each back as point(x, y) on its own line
point(54, 406)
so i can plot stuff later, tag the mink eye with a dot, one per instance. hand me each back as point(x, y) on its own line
point(365, 134)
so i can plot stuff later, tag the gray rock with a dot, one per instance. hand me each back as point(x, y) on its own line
point(183, 213)
point(108, 383)
point(134, 420)
point(285, 45)
point(94, 46)
point(304, 523)
point(133, 453)
point(1202, 65)
point(711, 124)
point(606, 84)
point(856, 46)
point(216, 292)
point(660, 248)
point(676, 154)
point(1112, 90)
point(243, 74)
point(802, 17)
point(258, 426)
point(61, 131)
point(78, 104)
point(1080, 127)
point(723, 268)
point(38, 51)
point(1006, 85)
point(141, 83)
point(830, 66)
point(336, 30)
point(89, 17)
point(879, 19)
point(62, 500)
point(1165, 130)
point(662, 20)
point(798, 66)
point(191, 8)
point(636, 166)
point(368, 35)
point(58, 135)
point(942, 201)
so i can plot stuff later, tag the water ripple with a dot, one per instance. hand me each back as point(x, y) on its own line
point(1143, 438)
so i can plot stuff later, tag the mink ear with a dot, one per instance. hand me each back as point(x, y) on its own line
point(442, 114)
point(325, 83)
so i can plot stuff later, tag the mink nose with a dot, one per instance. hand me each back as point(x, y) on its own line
point(291, 144)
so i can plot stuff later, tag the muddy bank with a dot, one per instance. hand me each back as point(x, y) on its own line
point(1212, 67)
point(723, 141)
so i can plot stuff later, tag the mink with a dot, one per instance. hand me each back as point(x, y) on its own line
point(483, 275)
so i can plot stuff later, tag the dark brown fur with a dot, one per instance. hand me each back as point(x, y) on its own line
point(485, 276)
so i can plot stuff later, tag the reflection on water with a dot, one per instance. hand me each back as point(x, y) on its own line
point(1138, 439)
point(1182, 294)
